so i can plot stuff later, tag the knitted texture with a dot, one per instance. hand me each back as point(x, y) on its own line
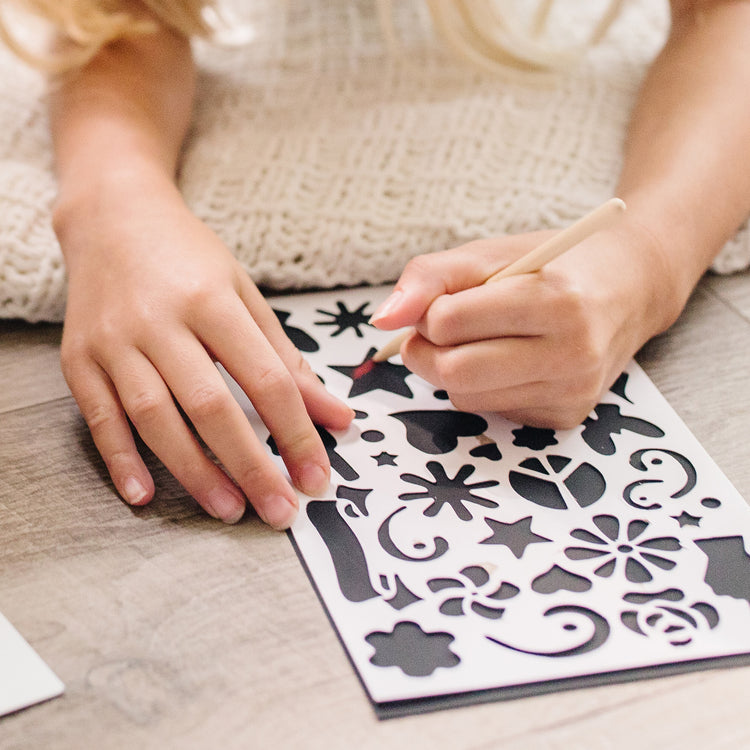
point(323, 157)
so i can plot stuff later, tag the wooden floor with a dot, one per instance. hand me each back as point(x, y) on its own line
point(171, 630)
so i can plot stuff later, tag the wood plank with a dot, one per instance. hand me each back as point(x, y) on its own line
point(29, 364)
point(734, 290)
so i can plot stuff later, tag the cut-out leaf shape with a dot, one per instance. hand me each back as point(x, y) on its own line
point(554, 486)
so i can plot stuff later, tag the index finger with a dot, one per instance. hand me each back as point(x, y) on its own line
point(430, 276)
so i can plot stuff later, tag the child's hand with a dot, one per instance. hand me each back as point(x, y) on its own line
point(154, 298)
point(539, 348)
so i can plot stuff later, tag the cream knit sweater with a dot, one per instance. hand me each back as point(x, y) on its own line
point(321, 157)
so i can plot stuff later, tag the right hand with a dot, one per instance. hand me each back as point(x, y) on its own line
point(154, 299)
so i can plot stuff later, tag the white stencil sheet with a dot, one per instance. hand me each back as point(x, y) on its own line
point(464, 557)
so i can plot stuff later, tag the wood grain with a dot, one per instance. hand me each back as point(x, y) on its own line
point(171, 630)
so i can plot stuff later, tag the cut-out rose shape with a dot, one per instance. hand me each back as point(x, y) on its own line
point(609, 549)
point(468, 593)
point(658, 615)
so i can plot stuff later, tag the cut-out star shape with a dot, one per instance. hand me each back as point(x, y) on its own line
point(385, 459)
point(685, 519)
point(372, 376)
point(515, 536)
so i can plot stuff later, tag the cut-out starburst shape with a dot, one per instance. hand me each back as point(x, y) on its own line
point(345, 319)
point(452, 491)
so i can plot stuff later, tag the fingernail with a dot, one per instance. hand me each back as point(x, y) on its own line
point(387, 306)
point(133, 491)
point(279, 512)
point(314, 480)
point(224, 505)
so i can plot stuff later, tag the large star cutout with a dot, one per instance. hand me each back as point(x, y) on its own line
point(515, 536)
point(371, 376)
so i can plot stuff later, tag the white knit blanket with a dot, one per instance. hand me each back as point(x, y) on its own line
point(322, 158)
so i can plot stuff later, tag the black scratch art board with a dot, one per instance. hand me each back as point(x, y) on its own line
point(462, 557)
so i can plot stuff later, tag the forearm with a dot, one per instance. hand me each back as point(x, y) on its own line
point(685, 175)
point(118, 125)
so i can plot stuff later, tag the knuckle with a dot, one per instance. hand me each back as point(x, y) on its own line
point(299, 443)
point(100, 416)
point(569, 418)
point(451, 371)
point(205, 402)
point(302, 367)
point(254, 477)
point(74, 351)
point(144, 407)
point(572, 304)
point(442, 324)
point(577, 400)
point(418, 265)
point(198, 297)
point(275, 382)
point(462, 401)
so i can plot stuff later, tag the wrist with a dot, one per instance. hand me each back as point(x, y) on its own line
point(670, 261)
point(96, 204)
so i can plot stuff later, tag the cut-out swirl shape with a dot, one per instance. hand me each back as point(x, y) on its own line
point(598, 632)
point(652, 460)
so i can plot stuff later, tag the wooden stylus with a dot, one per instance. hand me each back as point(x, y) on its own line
point(534, 260)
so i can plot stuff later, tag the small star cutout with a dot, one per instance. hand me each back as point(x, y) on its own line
point(385, 459)
point(685, 519)
point(515, 536)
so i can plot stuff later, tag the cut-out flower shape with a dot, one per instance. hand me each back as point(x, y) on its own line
point(445, 490)
point(468, 593)
point(611, 549)
point(415, 652)
point(535, 438)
